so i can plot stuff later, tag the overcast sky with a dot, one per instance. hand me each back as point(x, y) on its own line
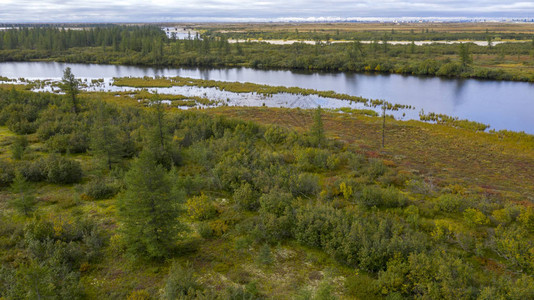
point(247, 10)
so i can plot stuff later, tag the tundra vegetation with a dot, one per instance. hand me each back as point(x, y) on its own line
point(107, 197)
point(149, 46)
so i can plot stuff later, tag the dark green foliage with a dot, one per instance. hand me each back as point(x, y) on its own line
point(276, 216)
point(451, 242)
point(246, 197)
point(204, 230)
point(317, 135)
point(304, 185)
point(24, 200)
point(100, 189)
point(376, 168)
point(312, 159)
point(21, 118)
point(265, 256)
point(325, 292)
point(181, 283)
point(55, 253)
point(451, 203)
point(148, 210)
point(34, 171)
point(465, 57)
point(70, 85)
point(275, 135)
point(379, 197)
point(147, 45)
point(366, 241)
point(7, 173)
point(19, 145)
point(62, 170)
point(158, 137)
point(75, 142)
point(105, 137)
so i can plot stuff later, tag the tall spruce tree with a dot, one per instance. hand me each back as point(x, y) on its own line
point(465, 56)
point(317, 130)
point(148, 210)
point(105, 141)
point(70, 85)
point(24, 200)
point(158, 137)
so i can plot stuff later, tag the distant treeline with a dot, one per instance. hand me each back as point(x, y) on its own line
point(136, 38)
point(149, 46)
point(370, 35)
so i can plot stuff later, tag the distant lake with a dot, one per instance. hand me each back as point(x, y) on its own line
point(502, 104)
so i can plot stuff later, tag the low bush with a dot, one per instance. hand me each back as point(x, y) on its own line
point(181, 283)
point(34, 171)
point(304, 184)
point(100, 189)
point(7, 173)
point(246, 197)
point(62, 170)
point(376, 168)
point(201, 208)
point(450, 203)
point(379, 197)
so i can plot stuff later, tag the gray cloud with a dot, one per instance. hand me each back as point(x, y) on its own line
point(214, 10)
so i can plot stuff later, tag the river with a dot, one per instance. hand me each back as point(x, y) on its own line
point(502, 104)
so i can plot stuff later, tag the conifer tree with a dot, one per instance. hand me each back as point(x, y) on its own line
point(158, 138)
point(317, 130)
point(148, 210)
point(70, 85)
point(105, 142)
point(24, 200)
point(465, 57)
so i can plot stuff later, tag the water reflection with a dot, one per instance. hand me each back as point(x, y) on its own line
point(459, 86)
point(504, 105)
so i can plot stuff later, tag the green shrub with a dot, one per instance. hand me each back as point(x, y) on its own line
point(204, 230)
point(62, 170)
point(34, 171)
point(7, 173)
point(100, 189)
point(325, 292)
point(275, 202)
point(181, 283)
point(19, 145)
point(275, 135)
point(75, 142)
point(265, 256)
point(304, 184)
point(246, 197)
point(201, 208)
point(24, 200)
point(337, 161)
point(312, 159)
point(355, 161)
point(526, 218)
point(376, 168)
point(276, 216)
point(506, 215)
point(361, 286)
point(450, 203)
point(474, 217)
point(379, 197)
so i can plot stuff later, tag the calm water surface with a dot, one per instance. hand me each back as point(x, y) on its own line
point(503, 105)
